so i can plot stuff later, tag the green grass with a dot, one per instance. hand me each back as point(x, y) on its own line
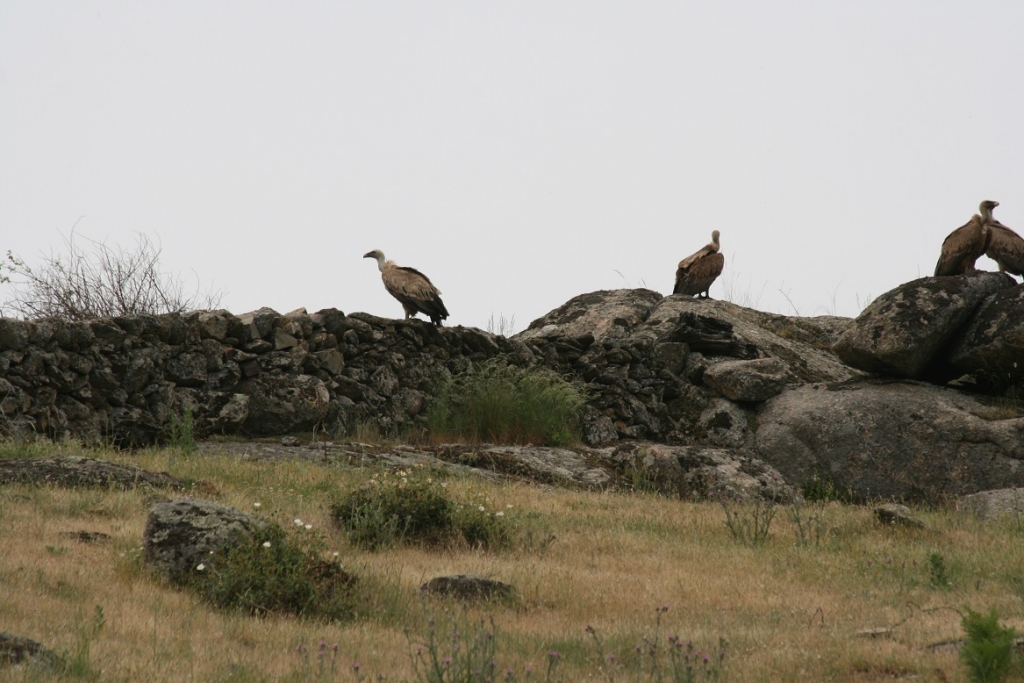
point(499, 403)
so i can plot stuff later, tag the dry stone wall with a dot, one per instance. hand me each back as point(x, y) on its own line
point(127, 380)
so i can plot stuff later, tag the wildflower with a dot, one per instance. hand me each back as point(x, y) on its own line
point(334, 554)
point(298, 522)
point(481, 508)
point(266, 544)
point(200, 567)
point(256, 505)
point(508, 507)
point(499, 513)
point(308, 527)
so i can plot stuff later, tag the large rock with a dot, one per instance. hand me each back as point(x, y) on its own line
point(889, 439)
point(17, 650)
point(723, 331)
point(602, 315)
point(78, 472)
point(995, 504)
point(468, 587)
point(283, 403)
point(992, 346)
point(692, 472)
point(182, 534)
point(748, 380)
point(906, 329)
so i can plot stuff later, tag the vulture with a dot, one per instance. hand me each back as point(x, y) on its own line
point(697, 271)
point(413, 289)
point(967, 243)
point(1006, 248)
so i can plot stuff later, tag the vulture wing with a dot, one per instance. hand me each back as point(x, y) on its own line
point(688, 262)
point(697, 273)
point(415, 292)
point(962, 248)
point(1006, 248)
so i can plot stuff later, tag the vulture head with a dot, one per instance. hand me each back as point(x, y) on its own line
point(986, 208)
point(376, 254)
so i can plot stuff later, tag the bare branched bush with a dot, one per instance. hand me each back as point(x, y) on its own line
point(100, 281)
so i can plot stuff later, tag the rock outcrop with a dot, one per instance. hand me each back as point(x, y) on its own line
point(992, 345)
point(907, 330)
point(181, 535)
point(995, 504)
point(891, 439)
point(468, 587)
point(78, 472)
point(17, 650)
point(695, 473)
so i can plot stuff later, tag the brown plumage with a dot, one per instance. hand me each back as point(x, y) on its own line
point(1006, 248)
point(413, 289)
point(967, 243)
point(698, 271)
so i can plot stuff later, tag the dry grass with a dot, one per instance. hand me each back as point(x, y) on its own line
point(788, 612)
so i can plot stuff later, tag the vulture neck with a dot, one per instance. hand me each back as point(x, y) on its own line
point(986, 214)
point(381, 262)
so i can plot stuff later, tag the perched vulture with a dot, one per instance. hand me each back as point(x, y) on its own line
point(1006, 248)
point(413, 289)
point(697, 271)
point(967, 243)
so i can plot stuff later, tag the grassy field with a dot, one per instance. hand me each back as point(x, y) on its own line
point(611, 561)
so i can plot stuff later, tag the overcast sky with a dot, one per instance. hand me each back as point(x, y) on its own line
point(518, 153)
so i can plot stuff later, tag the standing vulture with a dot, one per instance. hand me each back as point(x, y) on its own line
point(967, 243)
point(413, 289)
point(1006, 248)
point(697, 271)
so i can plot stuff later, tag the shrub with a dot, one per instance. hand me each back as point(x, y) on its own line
point(272, 572)
point(500, 403)
point(183, 431)
point(411, 507)
point(987, 652)
point(108, 281)
point(938, 575)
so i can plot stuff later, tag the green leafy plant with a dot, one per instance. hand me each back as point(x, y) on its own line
point(410, 506)
point(274, 572)
point(938, 574)
point(824, 490)
point(500, 403)
point(989, 647)
point(183, 431)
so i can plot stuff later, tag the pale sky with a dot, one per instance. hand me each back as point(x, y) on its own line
point(518, 153)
